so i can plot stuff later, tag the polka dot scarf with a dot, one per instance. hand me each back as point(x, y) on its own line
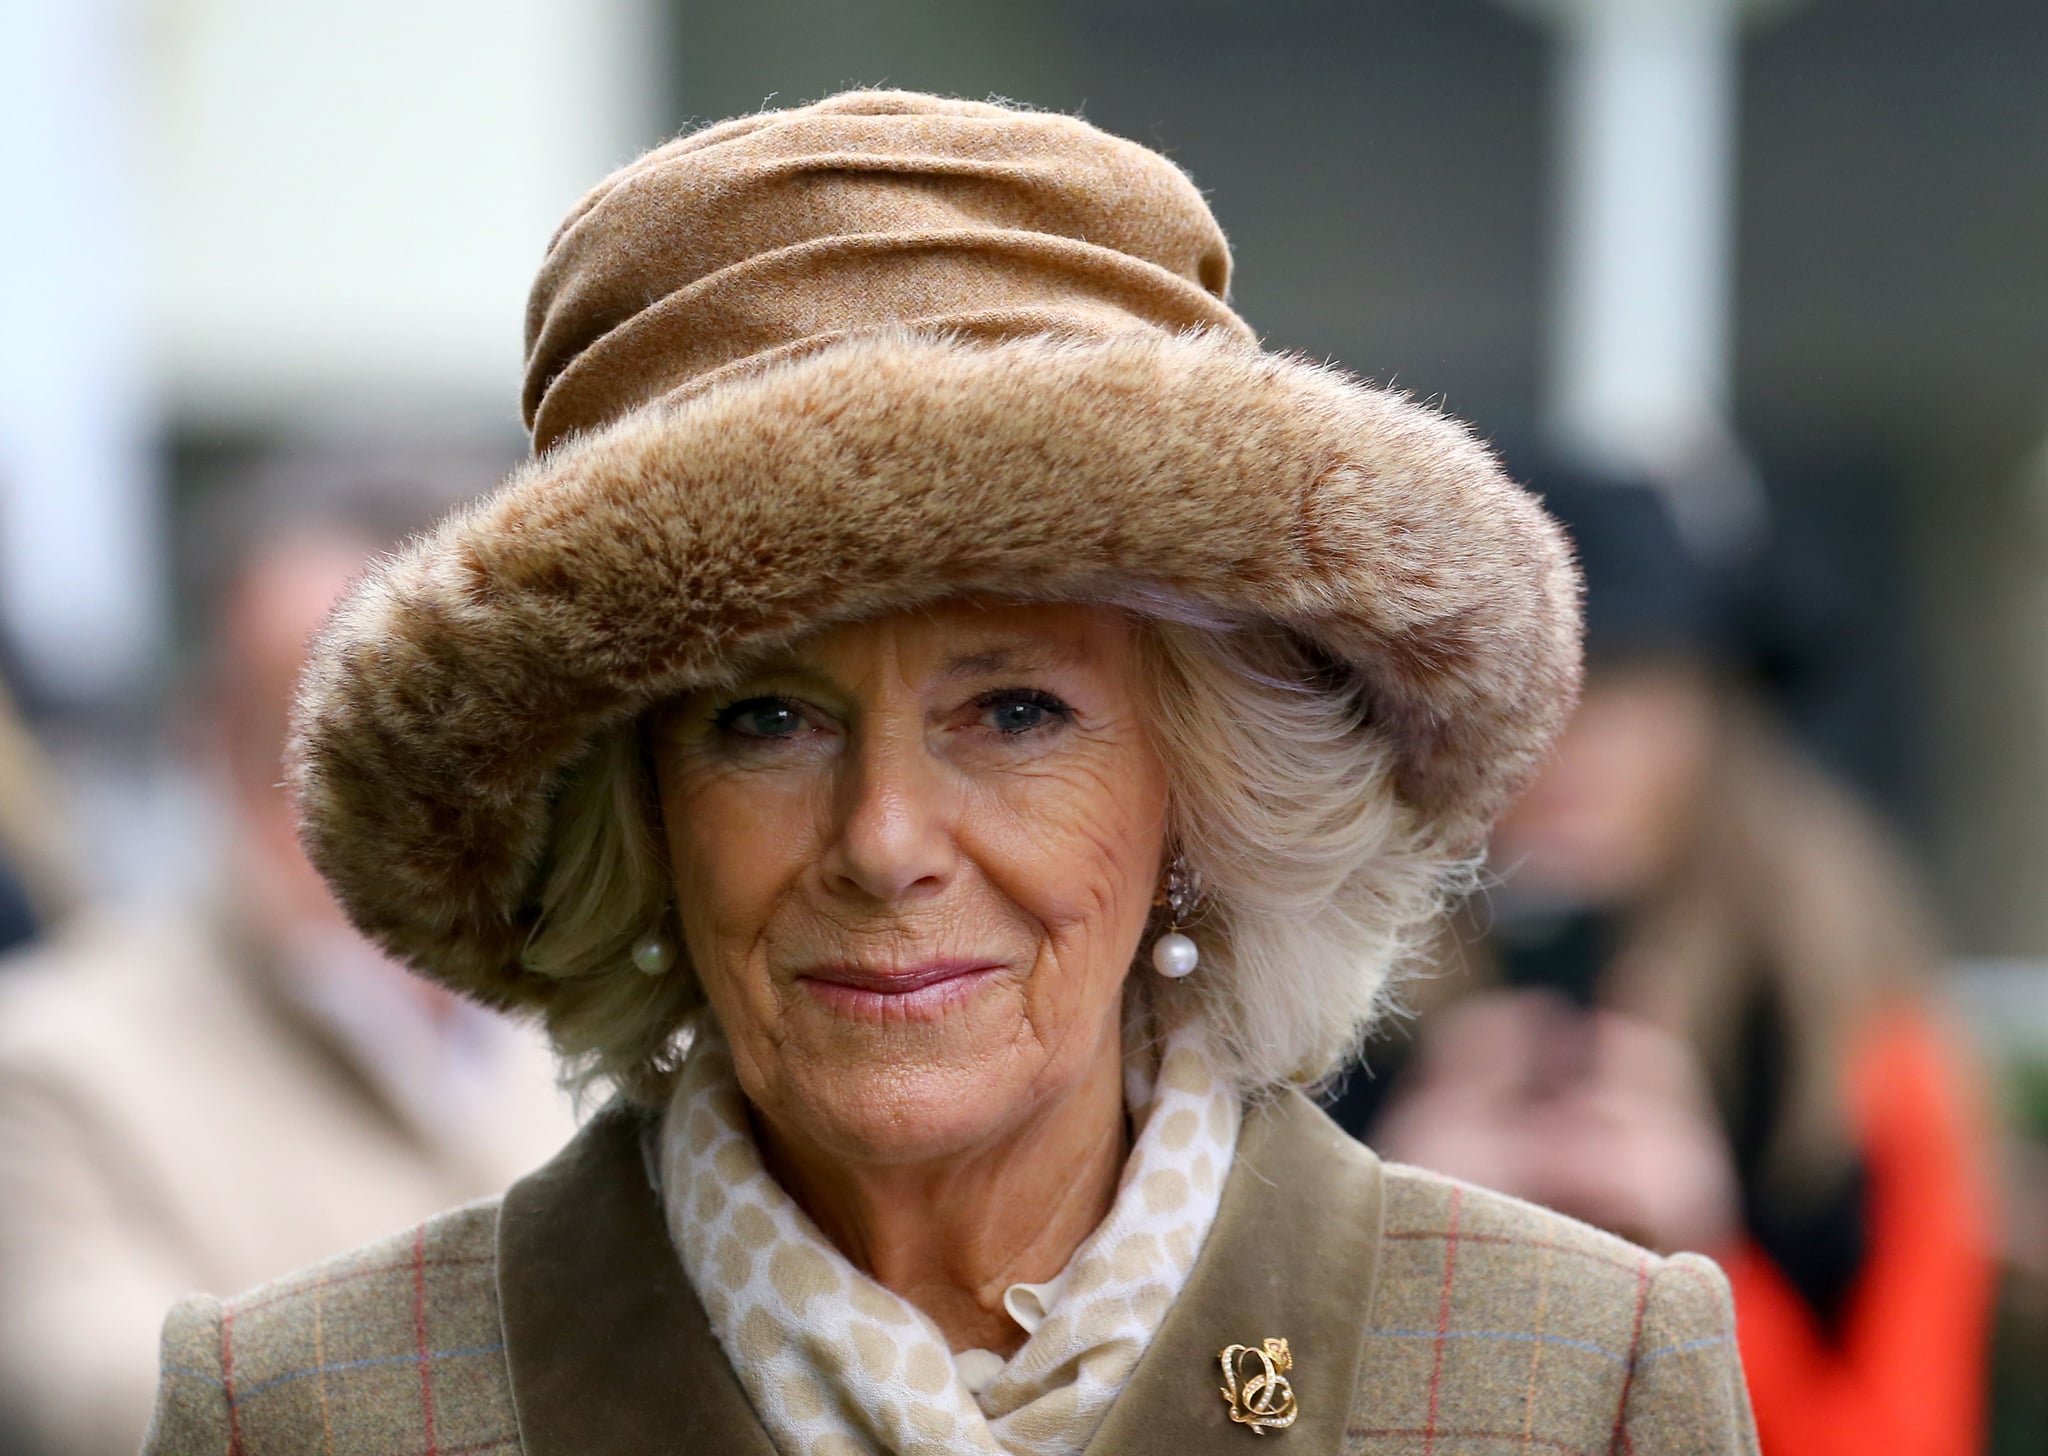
point(835, 1364)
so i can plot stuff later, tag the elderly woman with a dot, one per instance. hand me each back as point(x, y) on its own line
point(957, 736)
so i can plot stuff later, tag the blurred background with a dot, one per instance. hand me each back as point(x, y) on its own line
point(1785, 259)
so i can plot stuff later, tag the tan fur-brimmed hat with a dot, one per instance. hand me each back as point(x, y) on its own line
point(815, 364)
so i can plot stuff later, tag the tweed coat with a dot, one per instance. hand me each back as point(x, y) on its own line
point(1426, 1318)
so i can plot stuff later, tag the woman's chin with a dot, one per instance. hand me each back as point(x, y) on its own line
point(940, 1078)
point(908, 1112)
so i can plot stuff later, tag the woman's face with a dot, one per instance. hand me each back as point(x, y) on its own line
point(913, 858)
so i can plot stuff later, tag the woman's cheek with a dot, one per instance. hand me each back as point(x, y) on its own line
point(737, 846)
point(744, 815)
point(1085, 861)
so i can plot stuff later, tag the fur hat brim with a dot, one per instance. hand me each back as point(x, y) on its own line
point(458, 682)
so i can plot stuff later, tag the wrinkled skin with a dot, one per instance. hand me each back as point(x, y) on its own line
point(971, 792)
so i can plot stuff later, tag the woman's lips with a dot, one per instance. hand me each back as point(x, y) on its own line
point(921, 990)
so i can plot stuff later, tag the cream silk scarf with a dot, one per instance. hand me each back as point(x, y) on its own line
point(835, 1364)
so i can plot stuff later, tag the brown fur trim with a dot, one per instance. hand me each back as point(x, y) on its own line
point(455, 685)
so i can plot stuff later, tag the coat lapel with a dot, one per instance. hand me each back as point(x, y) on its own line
point(611, 1354)
point(609, 1351)
point(1293, 1253)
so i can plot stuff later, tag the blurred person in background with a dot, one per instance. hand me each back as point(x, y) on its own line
point(210, 1098)
point(1695, 1011)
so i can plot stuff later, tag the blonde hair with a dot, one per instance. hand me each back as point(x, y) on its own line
point(1319, 881)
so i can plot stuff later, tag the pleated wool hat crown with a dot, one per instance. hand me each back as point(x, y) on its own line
point(812, 365)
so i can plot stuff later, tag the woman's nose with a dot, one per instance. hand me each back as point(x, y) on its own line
point(894, 837)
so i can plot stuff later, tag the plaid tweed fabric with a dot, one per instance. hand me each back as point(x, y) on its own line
point(394, 1348)
point(1499, 1327)
point(1427, 1318)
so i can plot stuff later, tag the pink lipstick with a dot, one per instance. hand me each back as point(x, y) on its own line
point(912, 992)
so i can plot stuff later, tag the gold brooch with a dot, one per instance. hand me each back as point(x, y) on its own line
point(1259, 1397)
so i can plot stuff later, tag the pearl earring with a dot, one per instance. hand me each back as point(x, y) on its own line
point(652, 953)
point(1174, 954)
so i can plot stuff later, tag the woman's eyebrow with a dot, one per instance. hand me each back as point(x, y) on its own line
point(784, 670)
point(1014, 657)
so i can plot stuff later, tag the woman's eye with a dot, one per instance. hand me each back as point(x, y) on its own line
point(761, 718)
point(1022, 711)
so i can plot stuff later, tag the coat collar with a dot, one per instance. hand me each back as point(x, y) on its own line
point(610, 1353)
point(1294, 1253)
